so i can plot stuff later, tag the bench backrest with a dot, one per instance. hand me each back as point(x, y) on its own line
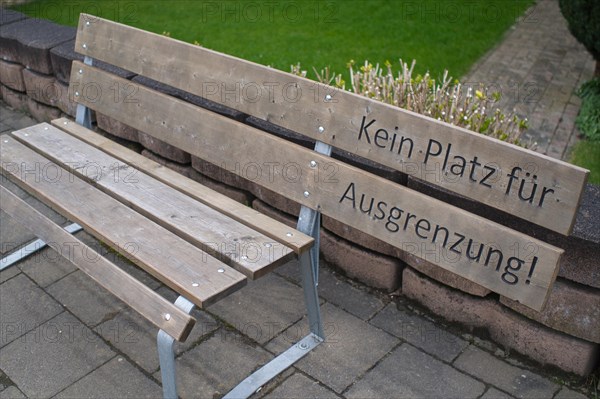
point(526, 184)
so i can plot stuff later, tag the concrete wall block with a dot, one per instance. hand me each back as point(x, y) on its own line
point(11, 75)
point(239, 195)
point(370, 268)
point(571, 308)
point(163, 149)
point(42, 112)
point(15, 99)
point(42, 88)
point(506, 327)
point(65, 103)
point(29, 42)
point(116, 128)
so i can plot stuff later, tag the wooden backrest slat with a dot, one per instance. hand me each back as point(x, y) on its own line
point(484, 169)
point(167, 257)
point(141, 298)
point(509, 262)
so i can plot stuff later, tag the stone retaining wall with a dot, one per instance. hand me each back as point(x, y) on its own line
point(35, 65)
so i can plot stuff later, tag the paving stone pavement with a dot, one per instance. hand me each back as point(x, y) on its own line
point(536, 68)
point(63, 336)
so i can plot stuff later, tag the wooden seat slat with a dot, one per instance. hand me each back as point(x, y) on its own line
point(244, 249)
point(277, 231)
point(141, 298)
point(303, 106)
point(182, 266)
point(217, 139)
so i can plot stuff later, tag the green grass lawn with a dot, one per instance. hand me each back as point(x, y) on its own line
point(439, 34)
point(587, 155)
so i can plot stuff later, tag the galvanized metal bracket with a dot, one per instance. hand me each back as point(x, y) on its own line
point(31, 248)
point(83, 116)
point(166, 354)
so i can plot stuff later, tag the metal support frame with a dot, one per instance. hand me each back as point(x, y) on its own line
point(83, 116)
point(309, 222)
point(31, 248)
point(166, 354)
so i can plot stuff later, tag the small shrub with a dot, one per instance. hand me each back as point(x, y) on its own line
point(588, 120)
point(446, 100)
point(583, 18)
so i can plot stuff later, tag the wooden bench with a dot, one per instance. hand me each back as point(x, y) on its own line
point(183, 233)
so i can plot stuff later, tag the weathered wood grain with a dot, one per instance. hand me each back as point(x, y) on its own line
point(255, 220)
point(476, 166)
point(244, 249)
point(188, 270)
point(141, 298)
point(324, 183)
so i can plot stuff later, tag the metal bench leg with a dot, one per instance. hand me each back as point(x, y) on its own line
point(166, 354)
point(308, 223)
point(31, 248)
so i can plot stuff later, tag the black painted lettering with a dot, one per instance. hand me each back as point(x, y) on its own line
point(352, 196)
point(424, 225)
point(381, 205)
point(408, 217)
point(457, 243)
point(488, 257)
point(474, 165)
point(395, 214)
point(490, 171)
point(381, 135)
point(545, 191)
point(363, 128)
point(431, 151)
point(367, 211)
point(512, 265)
point(410, 143)
point(458, 169)
point(469, 250)
point(439, 228)
point(531, 193)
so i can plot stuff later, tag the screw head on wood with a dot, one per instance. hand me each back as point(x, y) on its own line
point(328, 97)
point(221, 270)
point(289, 234)
point(195, 284)
point(313, 164)
point(306, 194)
point(321, 129)
point(167, 316)
point(84, 45)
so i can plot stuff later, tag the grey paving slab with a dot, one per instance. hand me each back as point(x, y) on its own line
point(53, 356)
point(566, 393)
point(9, 273)
point(136, 337)
point(350, 349)
point(85, 298)
point(115, 379)
point(263, 308)
point(12, 393)
point(46, 267)
point(4, 381)
point(334, 289)
point(23, 307)
point(493, 393)
point(411, 373)
point(353, 300)
point(514, 380)
point(300, 386)
point(420, 332)
point(218, 364)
